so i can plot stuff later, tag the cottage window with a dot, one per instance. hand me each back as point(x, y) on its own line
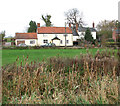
point(45, 41)
point(67, 41)
point(61, 41)
point(32, 42)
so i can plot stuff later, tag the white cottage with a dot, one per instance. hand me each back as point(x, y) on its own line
point(55, 35)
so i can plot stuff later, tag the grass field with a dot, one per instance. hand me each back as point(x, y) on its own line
point(10, 56)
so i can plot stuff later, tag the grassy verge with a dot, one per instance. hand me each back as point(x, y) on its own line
point(10, 56)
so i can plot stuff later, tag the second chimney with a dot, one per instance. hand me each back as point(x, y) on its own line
point(70, 25)
point(38, 24)
point(93, 25)
point(76, 26)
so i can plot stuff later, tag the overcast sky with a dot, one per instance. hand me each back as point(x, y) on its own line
point(15, 15)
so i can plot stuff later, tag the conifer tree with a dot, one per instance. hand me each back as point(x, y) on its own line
point(88, 35)
point(33, 27)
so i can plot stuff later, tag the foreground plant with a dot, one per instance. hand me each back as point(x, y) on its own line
point(84, 80)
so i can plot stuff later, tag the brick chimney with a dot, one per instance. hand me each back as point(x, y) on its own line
point(70, 25)
point(93, 25)
point(38, 25)
point(76, 26)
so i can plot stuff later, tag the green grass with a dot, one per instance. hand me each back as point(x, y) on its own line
point(10, 56)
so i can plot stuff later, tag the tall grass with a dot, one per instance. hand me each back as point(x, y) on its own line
point(81, 80)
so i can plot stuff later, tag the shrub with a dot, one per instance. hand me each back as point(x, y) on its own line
point(111, 44)
point(14, 47)
point(110, 40)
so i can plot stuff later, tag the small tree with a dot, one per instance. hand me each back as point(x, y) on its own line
point(47, 21)
point(33, 26)
point(2, 35)
point(88, 36)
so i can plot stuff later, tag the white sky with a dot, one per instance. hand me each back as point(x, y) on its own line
point(15, 15)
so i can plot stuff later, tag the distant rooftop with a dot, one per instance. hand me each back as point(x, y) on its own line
point(83, 29)
point(26, 36)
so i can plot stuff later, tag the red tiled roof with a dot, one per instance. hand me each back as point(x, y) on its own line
point(26, 36)
point(54, 30)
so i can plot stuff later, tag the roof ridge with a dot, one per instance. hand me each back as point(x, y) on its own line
point(27, 33)
point(54, 27)
point(54, 30)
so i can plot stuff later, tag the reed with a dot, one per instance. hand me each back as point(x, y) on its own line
point(81, 80)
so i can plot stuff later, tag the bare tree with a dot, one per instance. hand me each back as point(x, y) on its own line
point(74, 17)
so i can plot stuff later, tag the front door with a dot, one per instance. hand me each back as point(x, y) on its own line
point(56, 42)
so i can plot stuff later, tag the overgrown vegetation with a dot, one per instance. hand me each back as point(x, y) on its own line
point(81, 80)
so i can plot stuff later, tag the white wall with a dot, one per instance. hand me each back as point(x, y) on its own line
point(81, 35)
point(75, 38)
point(93, 35)
point(49, 37)
point(27, 41)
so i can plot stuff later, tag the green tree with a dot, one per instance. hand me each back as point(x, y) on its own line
point(47, 21)
point(2, 35)
point(33, 27)
point(88, 35)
